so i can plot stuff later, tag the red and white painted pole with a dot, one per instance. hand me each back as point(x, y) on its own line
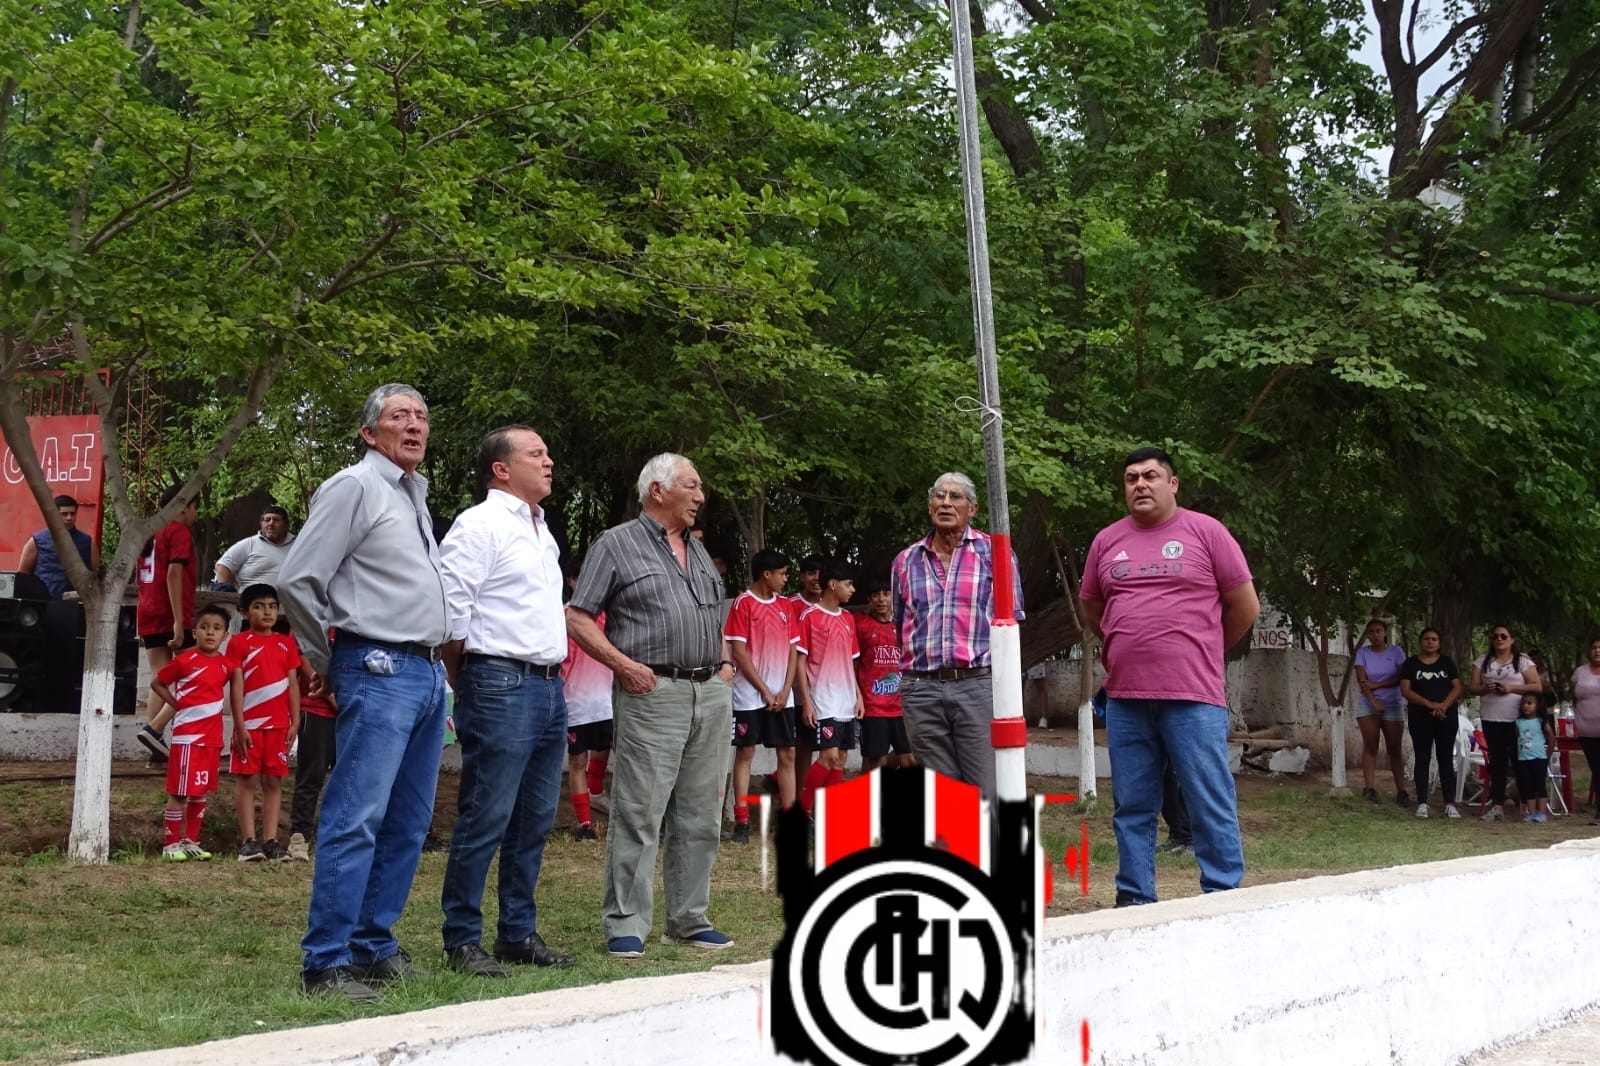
point(1009, 729)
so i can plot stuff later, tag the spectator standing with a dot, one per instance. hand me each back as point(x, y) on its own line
point(1586, 715)
point(168, 576)
point(673, 707)
point(366, 566)
point(256, 559)
point(1167, 591)
point(1382, 711)
point(943, 588)
point(1535, 738)
point(1499, 679)
point(312, 764)
point(508, 638)
point(39, 553)
point(1431, 687)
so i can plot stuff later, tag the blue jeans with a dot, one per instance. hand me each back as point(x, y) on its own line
point(513, 733)
point(1142, 736)
point(378, 804)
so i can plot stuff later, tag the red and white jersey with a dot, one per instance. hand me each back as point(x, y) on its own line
point(767, 629)
point(199, 684)
point(828, 641)
point(878, 669)
point(586, 684)
point(269, 662)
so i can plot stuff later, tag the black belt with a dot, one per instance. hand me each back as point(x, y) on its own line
point(521, 667)
point(429, 652)
point(950, 673)
point(679, 673)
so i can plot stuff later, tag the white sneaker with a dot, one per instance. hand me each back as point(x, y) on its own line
point(600, 801)
point(1493, 814)
point(1422, 810)
point(1450, 811)
point(298, 851)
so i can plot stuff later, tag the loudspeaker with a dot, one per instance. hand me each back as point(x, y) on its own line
point(23, 638)
point(42, 644)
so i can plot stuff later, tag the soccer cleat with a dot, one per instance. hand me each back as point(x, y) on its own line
point(741, 833)
point(196, 852)
point(175, 853)
point(1422, 810)
point(585, 832)
point(1450, 811)
point(298, 850)
point(252, 852)
point(154, 743)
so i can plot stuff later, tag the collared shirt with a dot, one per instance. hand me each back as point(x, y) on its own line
point(943, 617)
point(365, 562)
point(502, 579)
point(255, 558)
point(655, 612)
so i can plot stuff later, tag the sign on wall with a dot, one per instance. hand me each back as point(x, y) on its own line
point(68, 447)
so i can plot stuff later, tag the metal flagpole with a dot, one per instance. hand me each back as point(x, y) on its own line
point(1009, 729)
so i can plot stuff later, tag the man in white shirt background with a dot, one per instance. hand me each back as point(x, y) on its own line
point(508, 638)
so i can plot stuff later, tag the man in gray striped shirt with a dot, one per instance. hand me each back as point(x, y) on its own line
point(663, 602)
point(366, 565)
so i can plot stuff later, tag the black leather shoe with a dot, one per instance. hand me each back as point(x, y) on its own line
point(469, 958)
point(532, 950)
point(396, 967)
point(338, 982)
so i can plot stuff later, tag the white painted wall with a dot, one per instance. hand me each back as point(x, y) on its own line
point(1419, 965)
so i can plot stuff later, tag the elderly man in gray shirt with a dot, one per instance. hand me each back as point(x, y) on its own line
point(367, 566)
point(673, 703)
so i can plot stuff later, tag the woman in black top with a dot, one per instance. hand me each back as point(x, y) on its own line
point(1431, 686)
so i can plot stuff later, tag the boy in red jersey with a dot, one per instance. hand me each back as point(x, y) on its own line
point(827, 679)
point(197, 684)
point(168, 577)
point(810, 593)
point(270, 661)
point(761, 635)
point(586, 685)
point(883, 724)
point(313, 763)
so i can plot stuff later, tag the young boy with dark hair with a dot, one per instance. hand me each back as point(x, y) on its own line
point(197, 684)
point(761, 635)
point(270, 661)
point(883, 723)
point(810, 592)
point(827, 679)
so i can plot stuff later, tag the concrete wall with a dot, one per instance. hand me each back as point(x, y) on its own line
point(1385, 966)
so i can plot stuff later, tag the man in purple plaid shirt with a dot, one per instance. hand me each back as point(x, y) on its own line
point(943, 587)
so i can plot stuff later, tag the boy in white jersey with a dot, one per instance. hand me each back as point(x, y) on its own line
point(829, 693)
point(586, 684)
point(761, 635)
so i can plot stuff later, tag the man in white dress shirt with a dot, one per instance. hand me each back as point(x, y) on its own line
point(508, 637)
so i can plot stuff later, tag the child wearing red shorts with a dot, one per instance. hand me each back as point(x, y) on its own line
point(269, 660)
point(197, 684)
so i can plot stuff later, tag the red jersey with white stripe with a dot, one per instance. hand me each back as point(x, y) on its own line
point(828, 641)
point(767, 629)
point(309, 704)
point(586, 684)
point(199, 684)
point(269, 662)
point(878, 668)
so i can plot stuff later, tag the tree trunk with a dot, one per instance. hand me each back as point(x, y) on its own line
point(90, 838)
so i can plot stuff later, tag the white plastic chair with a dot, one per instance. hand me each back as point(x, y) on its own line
point(1467, 758)
point(1553, 784)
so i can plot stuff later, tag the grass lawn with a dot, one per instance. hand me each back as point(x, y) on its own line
point(140, 954)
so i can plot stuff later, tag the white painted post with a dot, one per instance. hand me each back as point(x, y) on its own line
point(1337, 715)
point(90, 838)
point(1086, 778)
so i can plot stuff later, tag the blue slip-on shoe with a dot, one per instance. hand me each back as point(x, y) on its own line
point(705, 939)
point(625, 947)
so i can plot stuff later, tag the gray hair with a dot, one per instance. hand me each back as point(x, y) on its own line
point(660, 470)
point(373, 407)
point(960, 479)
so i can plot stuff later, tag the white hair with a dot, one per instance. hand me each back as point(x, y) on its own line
point(660, 470)
point(373, 407)
point(960, 479)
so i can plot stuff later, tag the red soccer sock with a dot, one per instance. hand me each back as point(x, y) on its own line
point(191, 819)
point(741, 814)
point(171, 827)
point(597, 773)
point(580, 807)
point(835, 777)
point(816, 777)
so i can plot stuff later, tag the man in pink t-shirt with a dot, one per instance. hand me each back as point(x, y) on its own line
point(1167, 590)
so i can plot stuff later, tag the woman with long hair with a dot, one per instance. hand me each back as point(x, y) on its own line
point(1382, 711)
point(1431, 686)
point(1586, 715)
point(1500, 678)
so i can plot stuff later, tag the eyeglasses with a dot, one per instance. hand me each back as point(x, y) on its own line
point(1502, 636)
point(948, 494)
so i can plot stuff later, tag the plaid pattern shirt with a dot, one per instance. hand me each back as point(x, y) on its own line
point(943, 617)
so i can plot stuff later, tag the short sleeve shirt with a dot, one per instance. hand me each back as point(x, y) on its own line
point(586, 684)
point(1381, 666)
point(1432, 680)
point(270, 662)
point(174, 543)
point(199, 684)
point(828, 641)
point(767, 629)
point(1162, 588)
point(878, 668)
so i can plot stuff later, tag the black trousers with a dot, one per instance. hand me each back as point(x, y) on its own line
point(310, 771)
point(1501, 737)
point(1434, 738)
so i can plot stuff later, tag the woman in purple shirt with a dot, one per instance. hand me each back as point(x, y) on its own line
point(1378, 673)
